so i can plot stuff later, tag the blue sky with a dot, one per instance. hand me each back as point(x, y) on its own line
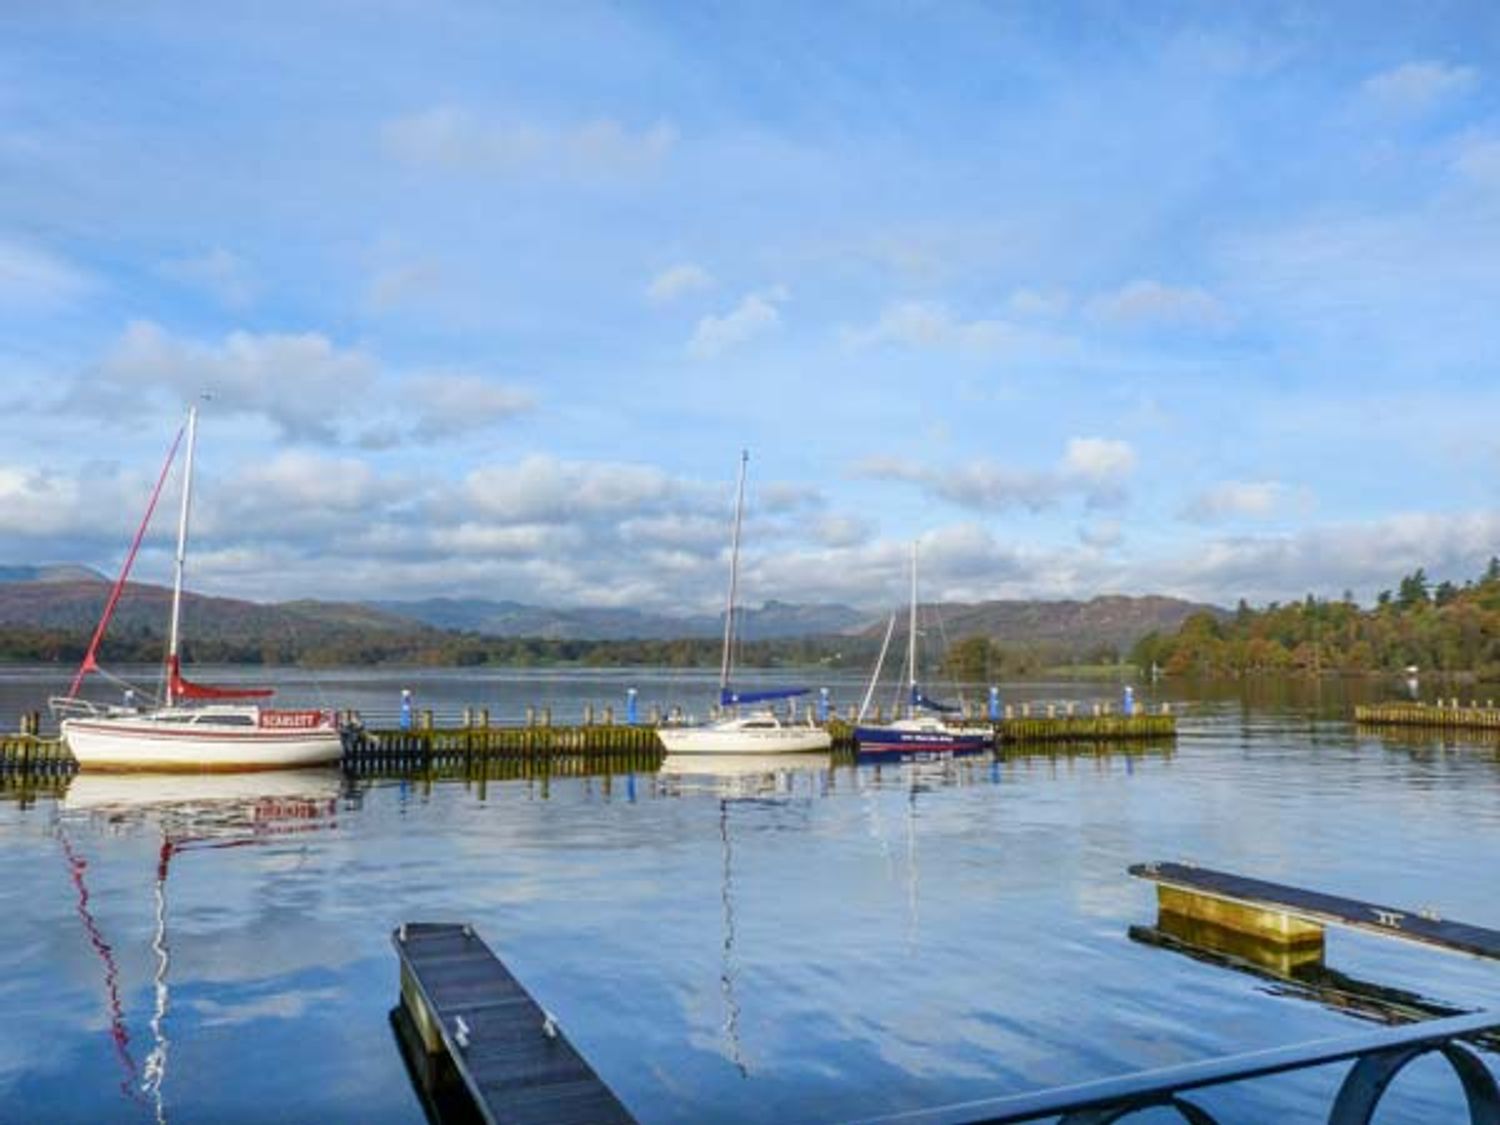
point(1088, 298)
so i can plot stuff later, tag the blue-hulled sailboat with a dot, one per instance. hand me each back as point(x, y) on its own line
point(925, 730)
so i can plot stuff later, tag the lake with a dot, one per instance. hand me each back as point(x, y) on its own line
point(817, 943)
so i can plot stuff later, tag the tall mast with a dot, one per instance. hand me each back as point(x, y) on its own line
point(734, 575)
point(911, 640)
point(182, 533)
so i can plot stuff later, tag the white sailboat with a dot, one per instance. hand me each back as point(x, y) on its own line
point(760, 731)
point(196, 727)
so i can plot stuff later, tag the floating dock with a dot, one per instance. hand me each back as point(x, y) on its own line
point(508, 1052)
point(1295, 917)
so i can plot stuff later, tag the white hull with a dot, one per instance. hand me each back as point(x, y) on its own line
point(143, 743)
point(739, 736)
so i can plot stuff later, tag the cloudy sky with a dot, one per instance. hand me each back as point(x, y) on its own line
point(1087, 297)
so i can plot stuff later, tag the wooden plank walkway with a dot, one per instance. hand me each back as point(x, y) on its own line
point(518, 1066)
point(1422, 926)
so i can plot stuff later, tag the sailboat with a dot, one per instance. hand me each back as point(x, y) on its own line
point(924, 731)
point(757, 732)
point(196, 727)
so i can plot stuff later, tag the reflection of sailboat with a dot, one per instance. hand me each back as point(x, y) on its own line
point(924, 731)
point(760, 731)
point(189, 730)
point(191, 813)
point(745, 765)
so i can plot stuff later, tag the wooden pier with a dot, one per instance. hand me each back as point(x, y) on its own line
point(1442, 715)
point(1294, 916)
point(595, 746)
point(469, 1012)
point(1085, 728)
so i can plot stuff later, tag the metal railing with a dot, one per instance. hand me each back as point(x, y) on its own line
point(1378, 1057)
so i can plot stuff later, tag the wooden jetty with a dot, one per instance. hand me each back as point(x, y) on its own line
point(508, 1052)
point(1443, 715)
point(1099, 727)
point(600, 742)
point(1294, 916)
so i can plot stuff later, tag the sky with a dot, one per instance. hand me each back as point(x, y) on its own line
point(1083, 298)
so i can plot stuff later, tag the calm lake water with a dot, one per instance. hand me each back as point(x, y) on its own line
point(767, 944)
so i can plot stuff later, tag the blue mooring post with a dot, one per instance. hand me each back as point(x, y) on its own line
point(630, 708)
point(406, 708)
point(822, 705)
point(1127, 705)
point(994, 704)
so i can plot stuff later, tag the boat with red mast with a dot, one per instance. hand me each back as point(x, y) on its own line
point(192, 726)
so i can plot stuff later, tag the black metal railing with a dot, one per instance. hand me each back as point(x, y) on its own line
point(1378, 1057)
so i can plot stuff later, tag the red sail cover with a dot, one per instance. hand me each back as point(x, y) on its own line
point(186, 689)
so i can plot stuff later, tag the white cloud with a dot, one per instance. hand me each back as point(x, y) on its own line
point(31, 277)
point(1478, 159)
point(756, 315)
point(1102, 534)
point(842, 530)
point(546, 490)
point(1365, 557)
point(224, 275)
point(929, 324)
point(1145, 303)
point(449, 405)
point(1416, 87)
point(454, 139)
point(1094, 468)
point(301, 382)
point(396, 284)
point(1258, 499)
point(1039, 303)
point(678, 281)
point(1098, 459)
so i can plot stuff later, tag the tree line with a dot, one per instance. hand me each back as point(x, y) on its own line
point(1442, 627)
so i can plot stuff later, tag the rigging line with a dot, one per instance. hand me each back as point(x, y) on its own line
point(118, 1031)
point(958, 688)
point(90, 657)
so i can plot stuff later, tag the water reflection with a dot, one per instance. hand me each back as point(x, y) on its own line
point(191, 812)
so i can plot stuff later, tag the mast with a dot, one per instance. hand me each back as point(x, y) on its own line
point(911, 640)
point(173, 659)
point(734, 575)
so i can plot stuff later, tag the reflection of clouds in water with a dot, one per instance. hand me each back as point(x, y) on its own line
point(281, 1006)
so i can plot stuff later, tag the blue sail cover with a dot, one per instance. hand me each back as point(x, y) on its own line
point(728, 697)
point(920, 700)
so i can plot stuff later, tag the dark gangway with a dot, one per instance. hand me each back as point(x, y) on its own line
point(468, 1011)
point(1314, 906)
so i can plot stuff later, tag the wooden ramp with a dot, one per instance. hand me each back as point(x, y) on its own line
point(517, 1064)
point(1313, 907)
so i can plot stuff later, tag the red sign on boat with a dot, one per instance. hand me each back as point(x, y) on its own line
point(291, 720)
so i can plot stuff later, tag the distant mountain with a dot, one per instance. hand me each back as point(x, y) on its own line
point(60, 573)
point(70, 599)
point(1110, 621)
point(59, 603)
point(773, 620)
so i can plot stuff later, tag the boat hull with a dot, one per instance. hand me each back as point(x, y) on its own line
point(712, 740)
point(897, 744)
point(104, 745)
